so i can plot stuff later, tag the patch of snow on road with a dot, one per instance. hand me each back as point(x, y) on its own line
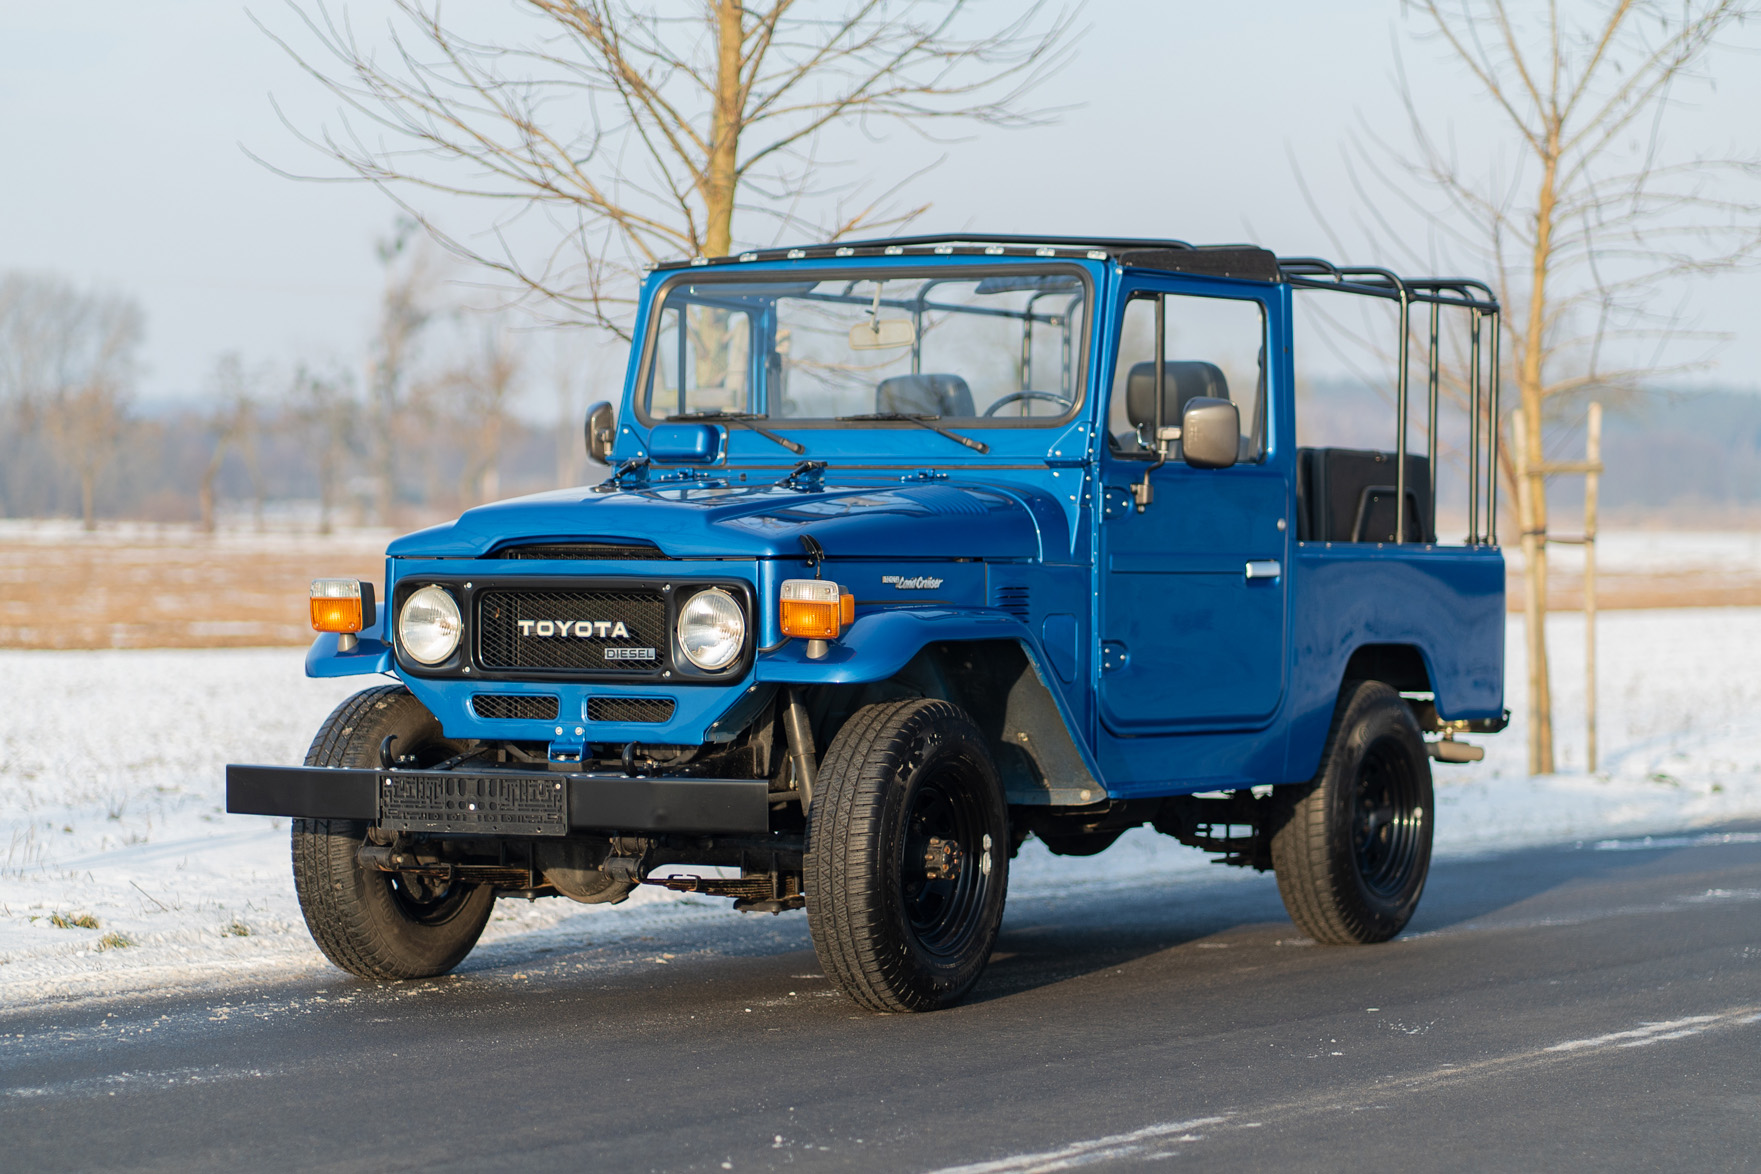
point(111, 767)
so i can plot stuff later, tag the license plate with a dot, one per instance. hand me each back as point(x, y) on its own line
point(467, 804)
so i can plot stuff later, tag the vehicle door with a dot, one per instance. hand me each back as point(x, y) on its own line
point(1192, 584)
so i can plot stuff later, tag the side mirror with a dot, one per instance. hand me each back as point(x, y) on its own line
point(1210, 433)
point(602, 429)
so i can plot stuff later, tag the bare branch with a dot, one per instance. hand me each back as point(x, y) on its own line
point(634, 135)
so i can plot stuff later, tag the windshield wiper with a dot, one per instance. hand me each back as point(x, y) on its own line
point(924, 421)
point(743, 420)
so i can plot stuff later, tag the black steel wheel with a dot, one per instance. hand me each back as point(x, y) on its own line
point(907, 857)
point(1354, 847)
point(372, 923)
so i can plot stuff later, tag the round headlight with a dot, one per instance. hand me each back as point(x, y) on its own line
point(711, 629)
point(428, 627)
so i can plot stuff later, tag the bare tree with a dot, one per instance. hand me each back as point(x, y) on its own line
point(67, 363)
point(631, 135)
point(405, 308)
point(232, 424)
point(565, 370)
point(1590, 226)
point(86, 426)
point(480, 392)
point(324, 403)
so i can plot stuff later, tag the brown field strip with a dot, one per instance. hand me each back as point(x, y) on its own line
point(1620, 592)
point(175, 589)
point(171, 590)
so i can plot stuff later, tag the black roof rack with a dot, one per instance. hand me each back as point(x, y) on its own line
point(1247, 262)
point(1241, 261)
point(1373, 281)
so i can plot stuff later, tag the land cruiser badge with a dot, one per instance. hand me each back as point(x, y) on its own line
point(911, 583)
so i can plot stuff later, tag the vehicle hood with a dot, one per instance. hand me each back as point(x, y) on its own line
point(731, 520)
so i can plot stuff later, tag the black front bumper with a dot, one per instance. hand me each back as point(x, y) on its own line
point(500, 803)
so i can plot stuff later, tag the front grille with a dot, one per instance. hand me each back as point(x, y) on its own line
point(629, 709)
point(586, 551)
point(508, 707)
point(524, 628)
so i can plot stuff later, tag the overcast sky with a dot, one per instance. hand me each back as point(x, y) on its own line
point(123, 129)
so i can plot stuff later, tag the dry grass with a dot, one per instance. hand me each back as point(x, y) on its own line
point(78, 921)
point(147, 587)
point(1617, 592)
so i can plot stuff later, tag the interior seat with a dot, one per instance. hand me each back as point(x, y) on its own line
point(924, 395)
point(1187, 380)
point(1347, 495)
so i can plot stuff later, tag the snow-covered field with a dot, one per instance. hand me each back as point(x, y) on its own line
point(111, 771)
point(1654, 552)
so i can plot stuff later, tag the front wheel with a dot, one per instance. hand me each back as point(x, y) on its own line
point(907, 857)
point(1352, 856)
point(372, 923)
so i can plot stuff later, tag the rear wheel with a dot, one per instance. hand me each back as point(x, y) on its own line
point(907, 857)
point(372, 923)
point(1352, 856)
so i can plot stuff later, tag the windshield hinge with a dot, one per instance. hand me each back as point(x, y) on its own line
point(631, 472)
point(808, 477)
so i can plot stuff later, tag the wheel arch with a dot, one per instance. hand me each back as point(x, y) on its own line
point(1001, 685)
point(1402, 667)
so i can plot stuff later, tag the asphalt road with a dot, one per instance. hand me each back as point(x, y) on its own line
point(1574, 1008)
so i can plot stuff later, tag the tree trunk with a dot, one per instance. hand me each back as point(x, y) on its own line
point(88, 495)
point(384, 455)
point(205, 494)
point(1533, 499)
point(721, 175)
point(254, 470)
point(329, 472)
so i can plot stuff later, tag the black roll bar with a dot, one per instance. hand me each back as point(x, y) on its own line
point(1465, 293)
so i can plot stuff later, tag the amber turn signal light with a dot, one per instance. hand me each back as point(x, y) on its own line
point(341, 605)
point(815, 609)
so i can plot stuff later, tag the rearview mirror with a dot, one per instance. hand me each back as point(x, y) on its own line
point(880, 334)
point(602, 430)
point(1210, 433)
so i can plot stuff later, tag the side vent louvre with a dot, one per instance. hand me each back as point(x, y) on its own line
point(508, 707)
point(629, 709)
point(1012, 600)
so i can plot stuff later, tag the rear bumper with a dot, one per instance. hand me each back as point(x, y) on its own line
point(500, 803)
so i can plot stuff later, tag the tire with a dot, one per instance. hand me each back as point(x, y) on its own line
point(1354, 847)
point(907, 790)
point(369, 922)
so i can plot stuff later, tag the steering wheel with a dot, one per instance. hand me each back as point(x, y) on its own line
point(1016, 396)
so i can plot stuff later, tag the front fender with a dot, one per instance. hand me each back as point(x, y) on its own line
point(878, 645)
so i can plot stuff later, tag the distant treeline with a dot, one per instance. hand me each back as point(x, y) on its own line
point(274, 461)
point(424, 424)
point(1688, 457)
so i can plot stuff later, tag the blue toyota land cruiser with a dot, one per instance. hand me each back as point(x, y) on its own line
point(915, 548)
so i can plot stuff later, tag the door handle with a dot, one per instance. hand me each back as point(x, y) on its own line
point(1264, 568)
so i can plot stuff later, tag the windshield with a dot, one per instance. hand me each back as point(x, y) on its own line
point(956, 346)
